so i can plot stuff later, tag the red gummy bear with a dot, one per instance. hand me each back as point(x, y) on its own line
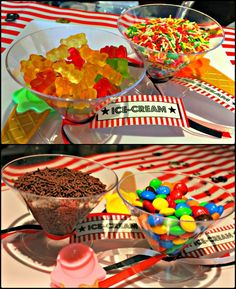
point(75, 57)
point(43, 80)
point(115, 52)
point(104, 88)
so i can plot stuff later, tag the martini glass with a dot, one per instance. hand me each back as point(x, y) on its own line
point(76, 113)
point(162, 237)
point(58, 216)
point(163, 65)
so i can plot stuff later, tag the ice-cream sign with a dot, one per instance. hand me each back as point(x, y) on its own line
point(142, 110)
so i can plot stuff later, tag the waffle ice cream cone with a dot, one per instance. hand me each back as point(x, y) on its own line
point(202, 70)
point(20, 128)
point(218, 79)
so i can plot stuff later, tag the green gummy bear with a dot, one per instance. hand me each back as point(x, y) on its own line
point(120, 65)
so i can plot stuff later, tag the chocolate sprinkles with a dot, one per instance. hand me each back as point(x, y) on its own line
point(59, 216)
point(59, 182)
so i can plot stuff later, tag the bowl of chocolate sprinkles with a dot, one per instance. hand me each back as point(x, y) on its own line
point(59, 190)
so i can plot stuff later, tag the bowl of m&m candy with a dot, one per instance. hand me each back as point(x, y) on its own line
point(168, 37)
point(173, 209)
point(75, 69)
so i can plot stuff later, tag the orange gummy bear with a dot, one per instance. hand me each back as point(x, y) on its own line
point(108, 72)
point(93, 56)
point(64, 88)
point(35, 63)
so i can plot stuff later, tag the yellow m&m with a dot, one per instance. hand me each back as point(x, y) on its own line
point(188, 223)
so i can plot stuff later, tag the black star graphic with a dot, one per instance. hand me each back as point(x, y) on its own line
point(104, 111)
point(172, 109)
point(81, 229)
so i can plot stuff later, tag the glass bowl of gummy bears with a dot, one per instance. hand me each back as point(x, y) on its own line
point(75, 69)
point(173, 210)
point(168, 37)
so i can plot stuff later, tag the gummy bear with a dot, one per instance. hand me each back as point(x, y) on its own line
point(115, 52)
point(58, 53)
point(75, 58)
point(68, 70)
point(105, 88)
point(76, 40)
point(44, 82)
point(33, 65)
point(89, 93)
point(93, 56)
point(90, 73)
point(111, 74)
point(64, 88)
point(120, 65)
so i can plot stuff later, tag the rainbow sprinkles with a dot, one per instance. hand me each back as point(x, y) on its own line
point(176, 35)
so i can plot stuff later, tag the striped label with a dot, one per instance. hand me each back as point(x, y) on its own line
point(107, 226)
point(216, 94)
point(101, 226)
point(141, 110)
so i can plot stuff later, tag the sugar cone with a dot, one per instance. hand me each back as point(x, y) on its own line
point(202, 70)
point(20, 128)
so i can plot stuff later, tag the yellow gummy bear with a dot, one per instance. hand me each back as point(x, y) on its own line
point(68, 70)
point(58, 53)
point(76, 40)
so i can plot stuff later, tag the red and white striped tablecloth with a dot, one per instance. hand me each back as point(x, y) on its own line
point(33, 10)
point(205, 161)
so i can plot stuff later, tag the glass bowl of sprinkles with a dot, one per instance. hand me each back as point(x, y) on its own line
point(59, 192)
point(173, 210)
point(168, 37)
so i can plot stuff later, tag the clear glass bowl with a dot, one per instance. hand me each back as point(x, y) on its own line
point(58, 215)
point(165, 234)
point(75, 110)
point(159, 64)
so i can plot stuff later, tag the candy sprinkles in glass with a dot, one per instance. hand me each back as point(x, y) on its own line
point(172, 210)
point(169, 37)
